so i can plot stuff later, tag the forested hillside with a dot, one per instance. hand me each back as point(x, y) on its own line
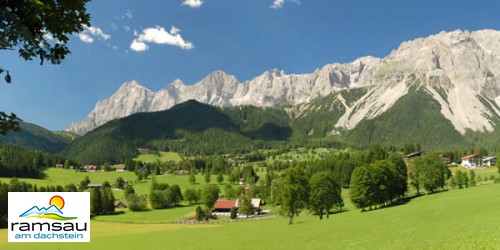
point(22, 162)
point(413, 118)
point(190, 128)
point(35, 137)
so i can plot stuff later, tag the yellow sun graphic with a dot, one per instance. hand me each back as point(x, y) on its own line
point(57, 200)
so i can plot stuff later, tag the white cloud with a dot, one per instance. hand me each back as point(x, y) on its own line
point(85, 38)
point(97, 32)
point(48, 36)
point(138, 46)
point(278, 4)
point(89, 33)
point(174, 30)
point(126, 28)
point(159, 35)
point(129, 14)
point(192, 3)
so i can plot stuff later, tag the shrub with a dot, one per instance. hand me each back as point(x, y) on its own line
point(136, 202)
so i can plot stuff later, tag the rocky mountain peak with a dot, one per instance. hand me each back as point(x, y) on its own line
point(459, 69)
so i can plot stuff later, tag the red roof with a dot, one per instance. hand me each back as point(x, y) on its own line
point(470, 156)
point(225, 204)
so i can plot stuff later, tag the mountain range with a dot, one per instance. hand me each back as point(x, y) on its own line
point(459, 70)
point(442, 91)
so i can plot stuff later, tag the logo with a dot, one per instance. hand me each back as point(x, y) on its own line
point(53, 212)
point(39, 217)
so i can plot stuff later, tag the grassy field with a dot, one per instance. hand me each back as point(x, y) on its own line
point(483, 172)
point(59, 176)
point(152, 216)
point(458, 219)
point(164, 156)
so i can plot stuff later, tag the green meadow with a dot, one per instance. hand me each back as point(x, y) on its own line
point(456, 219)
point(58, 176)
point(483, 172)
point(163, 157)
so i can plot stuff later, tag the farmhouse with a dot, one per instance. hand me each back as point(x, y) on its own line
point(120, 168)
point(409, 157)
point(59, 165)
point(256, 205)
point(181, 172)
point(471, 161)
point(256, 202)
point(120, 204)
point(93, 185)
point(446, 158)
point(90, 168)
point(489, 161)
point(223, 207)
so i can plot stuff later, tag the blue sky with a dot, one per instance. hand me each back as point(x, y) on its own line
point(187, 40)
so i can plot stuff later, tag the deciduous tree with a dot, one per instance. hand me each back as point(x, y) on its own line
point(245, 205)
point(429, 172)
point(220, 178)
point(191, 195)
point(192, 177)
point(120, 182)
point(209, 195)
point(325, 194)
point(294, 192)
point(38, 28)
point(128, 191)
point(207, 177)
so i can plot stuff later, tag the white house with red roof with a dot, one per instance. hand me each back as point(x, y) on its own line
point(471, 161)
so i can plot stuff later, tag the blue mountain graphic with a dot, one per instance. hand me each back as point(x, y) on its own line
point(35, 210)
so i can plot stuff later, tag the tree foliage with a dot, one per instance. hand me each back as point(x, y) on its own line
point(220, 178)
point(41, 28)
point(191, 195)
point(379, 183)
point(102, 201)
point(498, 159)
point(325, 194)
point(294, 192)
point(245, 205)
point(429, 172)
point(38, 29)
point(136, 202)
point(8, 122)
point(209, 195)
point(21, 162)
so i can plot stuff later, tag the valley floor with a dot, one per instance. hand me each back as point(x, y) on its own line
point(456, 219)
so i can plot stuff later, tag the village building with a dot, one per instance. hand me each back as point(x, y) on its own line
point(489, 161)
point(256, 203)
point(471, 161)
point(93, 185)
point(223, 207)
point(90, 168)
point(447, 159)
point(181, 172)
point(413, 155)
point(120, 204)
point(120, 168)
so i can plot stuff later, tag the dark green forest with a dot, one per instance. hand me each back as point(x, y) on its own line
point(21, 162)
point(36, 137)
